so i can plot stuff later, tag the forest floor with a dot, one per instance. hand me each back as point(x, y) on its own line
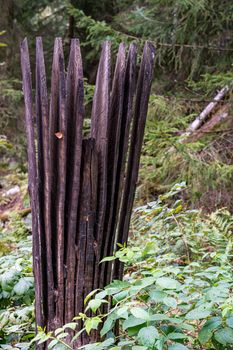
point(177, 290)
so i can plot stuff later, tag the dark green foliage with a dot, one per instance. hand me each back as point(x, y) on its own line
point(184, 22)
point(16, 285)
point(176, 290)
point(176, 293)
point(205, 164)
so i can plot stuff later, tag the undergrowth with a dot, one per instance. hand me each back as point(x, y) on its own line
point(16, 286)
point(17, 326)
point(176, 293)
point(205, 164)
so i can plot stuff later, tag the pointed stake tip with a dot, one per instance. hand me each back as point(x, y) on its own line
point(122, 46)
point(75, 41)
point(58, 41)
point(106, 45)
point(133, 46)
point(24, 43)
point(121, 51)
point(74, 45)
point(132, 50)
point(149, 45)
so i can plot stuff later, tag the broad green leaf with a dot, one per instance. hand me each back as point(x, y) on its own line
point(224, 336)
point(207, 330)
point(92, 323)
point(197, 314)
point(167, 283)
point(52, 344)
point(58, 331)
point(140, 313)
point(158, 317)
point(94, 304)
point(71, 325)
point(101, 295)
point(139, 347)
point(108, 258)
point(108, 325)
point(145, 282)
point(147, 336)
point(132, 322)
point(177, 347)
point(122, 311)
point(121, 295)
point(95, 322)
point(185, 326)
point(160, 343)
point(116, 286)
point(217, 294)
point(88, 297)
point(88, 325)
point(8, 279)
point(44, 337)
point(125, 342)
point(174, 335)
point(62, 335)
point(229, 321)
point(133, 331)
point(141, 284)
point(176, 320)
point(157, 296)
point(22, 286)
point(171, 302)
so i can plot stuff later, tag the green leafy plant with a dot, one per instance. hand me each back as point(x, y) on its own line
point(17, 325)
point(176, 294)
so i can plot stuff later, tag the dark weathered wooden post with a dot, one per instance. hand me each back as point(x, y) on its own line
point(81, 190)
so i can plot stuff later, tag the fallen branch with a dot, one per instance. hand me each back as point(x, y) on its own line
point(216, 119)
point(205, 113)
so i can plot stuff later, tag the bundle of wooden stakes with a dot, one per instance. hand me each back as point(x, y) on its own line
point(81, 189)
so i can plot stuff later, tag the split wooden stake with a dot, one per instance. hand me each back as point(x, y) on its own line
point(81, 190)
